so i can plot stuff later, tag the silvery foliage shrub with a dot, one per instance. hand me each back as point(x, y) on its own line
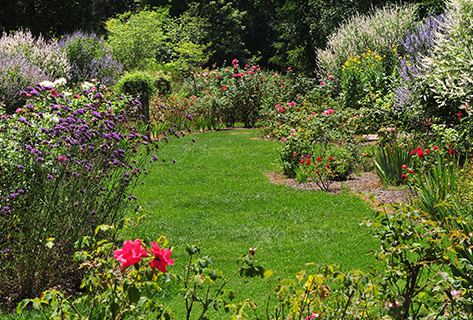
point(90, 57)
point(380, 31)
point(26, 60)
point(450, 66)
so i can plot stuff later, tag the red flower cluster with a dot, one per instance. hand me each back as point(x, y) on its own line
point(133, 252)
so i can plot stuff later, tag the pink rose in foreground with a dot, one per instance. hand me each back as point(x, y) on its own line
point(131, 253)
point(161, 258)
point(235, 61)
point(330, 77)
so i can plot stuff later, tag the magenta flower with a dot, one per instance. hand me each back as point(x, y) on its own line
point(62, 159)
point(161, 257)
point(235, 61)
point(131, 253)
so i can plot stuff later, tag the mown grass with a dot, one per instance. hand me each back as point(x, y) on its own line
point(216, 196)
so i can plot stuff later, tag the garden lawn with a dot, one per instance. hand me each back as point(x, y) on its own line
point(217, 197)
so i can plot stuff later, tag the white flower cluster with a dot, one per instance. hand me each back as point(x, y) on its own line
point(57, 83)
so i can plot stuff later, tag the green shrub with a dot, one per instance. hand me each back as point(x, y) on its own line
point(136, 84)
point(138, 40)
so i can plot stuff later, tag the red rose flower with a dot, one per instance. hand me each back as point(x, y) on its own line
point(161, 258)
point(319, 159)
point(403, 177)
point(131, 253)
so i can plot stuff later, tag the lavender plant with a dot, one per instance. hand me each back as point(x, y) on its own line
point(46, 55)
point(417, 45)
point(90, 57)
point(17, 72)
point(24, 61)
point(68, 162)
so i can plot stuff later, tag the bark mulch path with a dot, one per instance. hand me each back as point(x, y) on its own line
point(366, 185)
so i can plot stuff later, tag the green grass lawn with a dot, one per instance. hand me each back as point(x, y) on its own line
point(216, 196)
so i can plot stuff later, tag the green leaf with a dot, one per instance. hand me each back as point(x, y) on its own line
point(134, 294)
point(22, 305)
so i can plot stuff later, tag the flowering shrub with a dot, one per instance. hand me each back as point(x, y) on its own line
point(323, 167)
point(24, 61)
point(379, 30)
point(17, 73)
point(68, 162)
point(362, 77)
point(90, 57)
point(244, 91)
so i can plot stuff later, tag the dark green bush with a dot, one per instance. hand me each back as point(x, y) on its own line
point(137, 84)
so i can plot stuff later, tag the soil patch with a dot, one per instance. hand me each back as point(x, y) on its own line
point(367, 185)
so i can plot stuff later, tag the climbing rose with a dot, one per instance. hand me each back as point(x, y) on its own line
point(404, 166)
point(161, 258)
point(403, 177)
point(131, 253)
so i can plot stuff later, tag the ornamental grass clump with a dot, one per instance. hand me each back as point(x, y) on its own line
point(69, 161)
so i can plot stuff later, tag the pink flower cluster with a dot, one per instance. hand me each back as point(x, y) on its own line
point(327, 112)
point(133, 252)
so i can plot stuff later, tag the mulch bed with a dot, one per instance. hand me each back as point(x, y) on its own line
point(366, 185)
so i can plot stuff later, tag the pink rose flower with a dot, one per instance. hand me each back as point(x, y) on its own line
point(161, 258)
point(131, 253)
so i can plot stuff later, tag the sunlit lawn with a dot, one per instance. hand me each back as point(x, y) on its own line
point(216, 196)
